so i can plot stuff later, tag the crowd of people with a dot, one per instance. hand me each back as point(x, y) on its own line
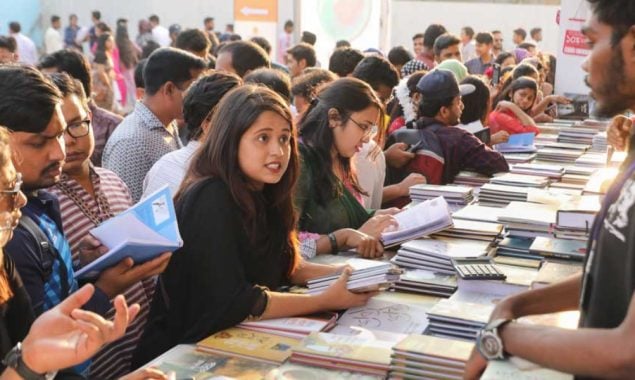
point(270, 164)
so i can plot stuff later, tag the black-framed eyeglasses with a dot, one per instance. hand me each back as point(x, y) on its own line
point(79, 129)
point(13, 194)
point(369, 130)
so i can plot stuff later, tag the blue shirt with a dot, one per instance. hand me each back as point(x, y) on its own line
point(45, 289)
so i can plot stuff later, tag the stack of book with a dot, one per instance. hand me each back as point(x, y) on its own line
point(511, 179)
point(294, 327)
point(575, 217)
point(342, 352)
point(554, 172)
point(247, 344)
point(467, 229)
point(526, 219)
point(517, 247)
point(517, 158)
point(461, 195)
point(493, 195)
point(436, 254)
point(429, 357)
point(455, 319)
point(592, 160)
point(559, 248)
point(600, 181)
point(368, 275)
point(426, 282)
point(473, 179)
point(419, 220)
point(578, 134)
point(558, 155)
point(600, 143)
point(555, 271)
point(478, 213)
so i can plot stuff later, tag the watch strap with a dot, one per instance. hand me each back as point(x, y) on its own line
point(13, 359)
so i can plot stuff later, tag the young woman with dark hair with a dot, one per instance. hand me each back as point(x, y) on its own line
point(476, 109)
point(342, 118)
point(236, 215)
point(512, 113)
point(128, 59)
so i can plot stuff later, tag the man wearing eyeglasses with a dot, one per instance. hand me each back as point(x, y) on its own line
point(30, 107)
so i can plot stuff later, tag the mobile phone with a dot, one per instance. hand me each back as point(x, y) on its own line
point(415, 147)
point(496, 75)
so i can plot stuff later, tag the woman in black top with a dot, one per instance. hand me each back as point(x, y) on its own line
point(237, 220)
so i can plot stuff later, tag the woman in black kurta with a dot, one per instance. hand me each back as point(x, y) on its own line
point(237, 220)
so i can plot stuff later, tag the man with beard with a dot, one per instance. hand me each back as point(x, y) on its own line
point(603, 345)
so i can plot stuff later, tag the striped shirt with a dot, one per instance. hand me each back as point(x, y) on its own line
point(113, 360)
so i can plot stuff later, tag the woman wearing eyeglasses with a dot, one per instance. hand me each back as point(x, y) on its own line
point(342, 118)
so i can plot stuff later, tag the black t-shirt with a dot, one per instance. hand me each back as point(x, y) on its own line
point(216, 279)
point(610, 269)
point(16, 316)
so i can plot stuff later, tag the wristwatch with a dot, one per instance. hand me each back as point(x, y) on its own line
point(13, 359)
point(488, 340)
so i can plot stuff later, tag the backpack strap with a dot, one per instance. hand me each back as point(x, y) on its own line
point(47, 254)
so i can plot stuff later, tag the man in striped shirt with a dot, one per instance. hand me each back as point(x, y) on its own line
point(88, 196)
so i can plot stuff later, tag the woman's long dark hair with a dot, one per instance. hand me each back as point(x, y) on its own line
point(127, 56)
point(519, 84)
point(346, 95)
point(237, 111)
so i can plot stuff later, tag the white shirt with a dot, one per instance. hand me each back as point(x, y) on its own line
point(27, 51)
point(169, 170)
point(53, 40)
point(285, 42)
point(371, 172)
point(161, 35)
point(468, 51)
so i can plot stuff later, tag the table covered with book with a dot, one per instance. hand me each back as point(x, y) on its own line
point(533, 222)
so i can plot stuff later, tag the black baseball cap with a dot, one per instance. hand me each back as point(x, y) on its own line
point(442, 84)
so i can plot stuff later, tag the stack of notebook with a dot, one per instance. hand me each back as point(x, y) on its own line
point(526, 219)
point(575, 217)
point(600, 143)
point(368, 275)
point(294, 327)
point(578, 135)
point(566, 249)
point(342, 352)
point(467, 178)
point(253, 345)
point(478, 213)
point(592, 160)
point(455, 319)
point(426, 282)
point(429, 357)
point(419, 220)
point(555, 271)
point(513, 246)
point(467, 229)
point(493, 195)
point(452, 194)
point(435, 254)
point(511, 179)
point(554, 172)
point(517, 158)
point(558, 155)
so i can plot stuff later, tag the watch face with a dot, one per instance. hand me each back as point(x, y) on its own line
point(490, 345)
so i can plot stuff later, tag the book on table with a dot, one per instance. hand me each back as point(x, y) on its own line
point(578, 213)
point(293, 327)
point(422, 219)
point(555, 271)
point(142, 233)
point(367, 275)
point(505, 369)
point(426, 282)
point(451, 193)
point(472, 230)
point(518, 143)
point(426, 356)
point(384, 315)
point(248, 344)
point(559, 248)
point(457, 319)
point(343, 352)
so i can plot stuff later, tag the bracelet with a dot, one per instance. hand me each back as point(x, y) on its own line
point(333, 240)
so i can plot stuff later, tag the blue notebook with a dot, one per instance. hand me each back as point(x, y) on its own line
point(518, 143)
point(142, 232)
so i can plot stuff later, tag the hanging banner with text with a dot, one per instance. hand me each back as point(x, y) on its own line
point(572, 51)
point(256, 18)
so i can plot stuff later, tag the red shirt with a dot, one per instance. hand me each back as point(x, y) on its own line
point(506, 120)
